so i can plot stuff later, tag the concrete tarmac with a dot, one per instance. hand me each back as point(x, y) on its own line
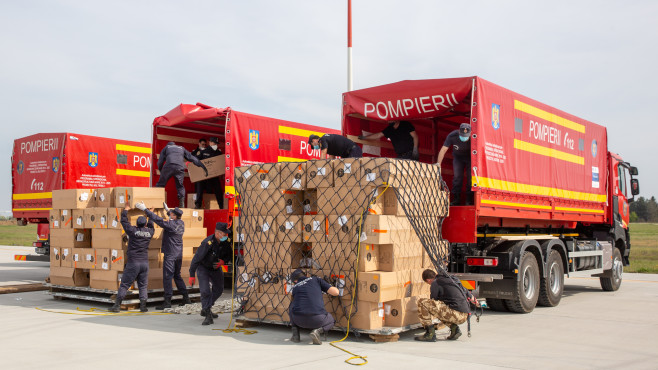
point(589, 329)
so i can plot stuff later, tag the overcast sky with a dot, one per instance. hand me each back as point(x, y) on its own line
point(109, 68)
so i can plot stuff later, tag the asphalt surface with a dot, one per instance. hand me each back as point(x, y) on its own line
point(589, 329)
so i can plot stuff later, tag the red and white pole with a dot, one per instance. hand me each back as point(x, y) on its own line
point(349, 45)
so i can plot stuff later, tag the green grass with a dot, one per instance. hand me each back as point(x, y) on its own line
point(11, 234)
point(644, 248)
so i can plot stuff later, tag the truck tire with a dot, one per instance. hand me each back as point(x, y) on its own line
point(526, 290)
point(611, 284)
point(496, 304)
point(552, 286)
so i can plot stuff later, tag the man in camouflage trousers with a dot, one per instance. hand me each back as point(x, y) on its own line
point(446, 303)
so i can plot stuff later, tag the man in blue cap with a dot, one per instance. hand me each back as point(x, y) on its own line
point(137, 267)
point(172, 164)
point(307, 307)
point(214, 252)
point(459, 141)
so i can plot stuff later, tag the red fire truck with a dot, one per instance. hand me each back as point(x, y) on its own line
point(45, 162)
point(244, 138)
point(549, 198)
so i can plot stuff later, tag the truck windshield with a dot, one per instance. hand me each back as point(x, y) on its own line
point(623, 178)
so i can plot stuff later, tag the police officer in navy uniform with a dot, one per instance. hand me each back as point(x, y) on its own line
point(213, 253)
point(307, 307)
point(137, 266)
point(203, 144)
point(212, 185)
point(403, 136)
point(459, 141)
point(172, 164)
point(172, 248)
point(335, 145)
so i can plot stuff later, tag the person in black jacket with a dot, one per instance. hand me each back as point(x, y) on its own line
point(307, 307)
point(460, 142)
point(137, 266)
point(172, 248)
point(212, 185)
point(403, 136)
point(335, 145)
point(446, 303)
point(213, 253)
point(172, 164)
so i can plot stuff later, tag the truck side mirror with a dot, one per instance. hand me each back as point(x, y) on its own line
point(633, 171)
point(635, 186)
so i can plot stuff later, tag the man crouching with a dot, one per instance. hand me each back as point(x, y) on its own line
point(446, 303)
point(307, 307)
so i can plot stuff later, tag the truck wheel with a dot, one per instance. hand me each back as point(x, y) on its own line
point(496, 304)
point(553, 285)
point(526, 290)
point(611, 284)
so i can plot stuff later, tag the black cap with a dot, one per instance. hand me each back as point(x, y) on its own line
point(464, 130)
point(177, 211)
point(141, 221)
point(312, 137)
point(296, 275)
point(214, 140)
point(222, 226)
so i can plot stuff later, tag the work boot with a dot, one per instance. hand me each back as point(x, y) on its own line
point(429, 336)
point(186, 300)
point(181, 202)
point(165, 304)
point(316, 336)
point(427, 332)
point(205, 312)
point(454, 332)
point(208, 320)
point(117, 306)
point(295, 335)
point(142, 306)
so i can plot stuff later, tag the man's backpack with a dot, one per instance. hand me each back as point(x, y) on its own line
point(473, 304)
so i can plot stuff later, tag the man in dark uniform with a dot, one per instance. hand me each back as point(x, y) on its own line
point(203, 144)
point(403, 136)
point(172, 164)
point(172, 248)
point(213, 253)
point(307, 307)
point(446, 303)
point(212, 185)
point(335, 145)
point(137, 267)
point(459, 141)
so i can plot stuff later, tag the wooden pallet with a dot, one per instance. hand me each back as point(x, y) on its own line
point(131, 301)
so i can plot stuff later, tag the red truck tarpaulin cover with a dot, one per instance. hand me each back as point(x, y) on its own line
point(184, 113)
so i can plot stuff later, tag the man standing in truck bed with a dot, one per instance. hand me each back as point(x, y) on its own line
point(403, 136)
point(212, 185)
point(172, 164)
point(459, 141)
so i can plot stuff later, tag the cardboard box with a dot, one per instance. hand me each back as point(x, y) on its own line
point(343, 200)
point(192, 217)
point(384, 286)
point(117, 259)
point(274, 281)
point(55, 257)
point(401, 312)
point(104, 197)
point(54, 218)
point(103, 260)
point(66, 219)
point(347, 172)
point(289, 229)
point(78, 216)
point(247, 280)
point(66, 256)
point(192, 237)
point(388, 230)
point(342, 280)
point(68, 276)
point(310, 202)
point(442, 252)
point(257, 177)
point(291, 202)
point(114, 217)
point(402, 256)
point(216, 167)
point(259, 229)
point(343, 229)
point(72, 238)
point(315, 228)
point(108, 239)
point(151, 197)
point(105, 280)
point(292, 175)
point(84, 258)
point(385, 202)
point(368, 316)
point(418, 286)
point(73, 198)
point(209, 201)
point(267, 307)
point(319, 174)
point(268, 256)
point(95, 218)
point(369, 257)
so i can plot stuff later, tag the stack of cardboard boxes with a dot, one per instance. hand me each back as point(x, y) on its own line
point(311, 216)
point(88, 244)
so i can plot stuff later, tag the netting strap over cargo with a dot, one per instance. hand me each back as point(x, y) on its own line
point(308, 215)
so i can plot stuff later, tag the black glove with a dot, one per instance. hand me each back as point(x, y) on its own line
point(205, 170)
point(414, 154)
point(362, 137)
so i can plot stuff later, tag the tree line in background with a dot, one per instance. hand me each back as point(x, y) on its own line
point(644, 210)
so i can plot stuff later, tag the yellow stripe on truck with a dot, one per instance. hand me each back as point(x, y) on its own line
point(124, 172)
point(290, 159)
point(578, 210)
point(31, 209)
point(510, 204)
point(32, 196)
point(134, 149)
point(548, 152)
point(537, 190)
point(550, 117)
point(298, 131)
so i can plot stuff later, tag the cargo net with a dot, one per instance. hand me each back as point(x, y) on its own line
point(334, 219)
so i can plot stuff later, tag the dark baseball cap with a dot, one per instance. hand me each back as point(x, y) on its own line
point(464, 130)
point(222, 226)
point(177, 211)
point(312, 137)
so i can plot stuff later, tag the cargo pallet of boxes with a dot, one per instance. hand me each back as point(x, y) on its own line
point(88, 245)
point(368, 226)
